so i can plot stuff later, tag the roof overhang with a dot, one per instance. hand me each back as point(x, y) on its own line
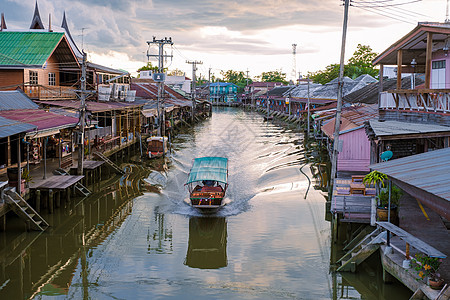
point(414, 44)
point(425, 176)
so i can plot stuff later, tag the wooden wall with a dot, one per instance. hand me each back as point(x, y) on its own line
point(10, 78)
point(355, 154)
point(51, 67)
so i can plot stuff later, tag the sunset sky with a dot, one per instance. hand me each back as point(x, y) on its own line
point(255, 34)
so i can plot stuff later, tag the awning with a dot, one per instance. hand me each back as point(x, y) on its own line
point(425, 176)
point(209, 168)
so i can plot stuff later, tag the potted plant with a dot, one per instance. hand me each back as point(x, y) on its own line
point(376, 178)
point(427, 267)
point(383, 204)
point(26, 176)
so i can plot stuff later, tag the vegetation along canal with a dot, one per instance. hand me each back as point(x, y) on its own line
point(138, 238)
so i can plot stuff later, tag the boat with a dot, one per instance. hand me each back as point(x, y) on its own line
point(157, 146)
point(207, 183)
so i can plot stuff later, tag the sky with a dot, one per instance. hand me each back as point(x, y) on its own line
point(252, 35)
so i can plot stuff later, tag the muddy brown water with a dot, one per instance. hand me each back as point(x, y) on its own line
point(136, 237)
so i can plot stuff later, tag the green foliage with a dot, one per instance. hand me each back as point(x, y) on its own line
point(360, 63)
point(396, 193)
point(375, 177)
point(237, 77)
point(26, 176)
point(273, 76)
point(426, 266)
point(148, 67)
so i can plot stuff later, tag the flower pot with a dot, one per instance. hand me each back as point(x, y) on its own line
point(13, 173)
point(435, 284)
point(382, 214)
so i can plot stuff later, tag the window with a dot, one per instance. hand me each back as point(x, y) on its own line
point(33, 77)
point(51, 79)
point(438, 64)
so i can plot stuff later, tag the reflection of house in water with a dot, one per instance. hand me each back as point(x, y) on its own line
point(35, 263)
point(207, 247)
point(161, 239)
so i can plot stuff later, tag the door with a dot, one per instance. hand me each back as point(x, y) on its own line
point(438, 74)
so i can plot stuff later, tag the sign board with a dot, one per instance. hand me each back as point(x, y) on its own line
point(287, 100)
point(159, 77)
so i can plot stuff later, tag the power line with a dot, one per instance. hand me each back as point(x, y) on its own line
point(384, 15)
point(376, 4)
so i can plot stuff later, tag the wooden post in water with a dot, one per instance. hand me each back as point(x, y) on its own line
point(50, 201)
point(58, 199)
point(38, 201)
point(3, 223)
point(68, 194)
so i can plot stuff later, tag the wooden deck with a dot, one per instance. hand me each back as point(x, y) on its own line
point(57, 182)
point(353, 207)
point(89, 165)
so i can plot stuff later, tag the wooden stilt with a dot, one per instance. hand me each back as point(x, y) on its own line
point(58, 199)
point(3, 223)
point(38, 201)
point(50, 201)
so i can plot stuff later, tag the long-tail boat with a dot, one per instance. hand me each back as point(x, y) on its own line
point(208, 182)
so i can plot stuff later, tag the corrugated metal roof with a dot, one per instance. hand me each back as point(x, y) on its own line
point(91, 105)
point(428, 171)
point(40, 118)
point(390, 128)
point(10, 127)
point(10, 100)
point(369, 93)
point(27, 48)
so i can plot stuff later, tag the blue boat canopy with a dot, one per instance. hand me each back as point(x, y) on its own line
point(209, 168)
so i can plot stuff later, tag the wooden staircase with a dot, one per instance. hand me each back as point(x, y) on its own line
point(109, 162)
point(78, 186)
point(24, 210)
point(361, 251)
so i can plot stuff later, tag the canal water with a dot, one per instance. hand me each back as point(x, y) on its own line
point(137, 237)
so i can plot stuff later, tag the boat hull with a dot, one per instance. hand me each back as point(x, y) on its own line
point(207, 205)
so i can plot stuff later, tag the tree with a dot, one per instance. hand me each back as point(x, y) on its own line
point(236, 77)
point(175, 72)
point(360, 63)
point(273, 76)
point(148, 67)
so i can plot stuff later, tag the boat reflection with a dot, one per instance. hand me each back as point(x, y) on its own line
point(207, 247)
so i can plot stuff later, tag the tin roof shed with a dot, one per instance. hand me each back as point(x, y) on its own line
point(426, 176)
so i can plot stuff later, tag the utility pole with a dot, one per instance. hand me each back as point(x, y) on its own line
point(309, 114)
point(194, 64)
point(82, 116)
point(161, 43)
point(267, 85)
point(339, 99)
point(209, 84)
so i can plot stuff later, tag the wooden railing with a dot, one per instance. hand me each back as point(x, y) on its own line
point(416, 100)
point(45, 92)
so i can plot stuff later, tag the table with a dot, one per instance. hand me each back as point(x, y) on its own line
point(357, 187)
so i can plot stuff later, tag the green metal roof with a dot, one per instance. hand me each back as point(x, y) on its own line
point(209, 168)
point(27, 48)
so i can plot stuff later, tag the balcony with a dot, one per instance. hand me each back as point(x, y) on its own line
point(45, 92)
point(434, 101)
